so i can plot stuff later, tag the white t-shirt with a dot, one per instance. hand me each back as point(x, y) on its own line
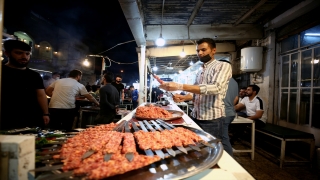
point(65, 92)
point(252, 106)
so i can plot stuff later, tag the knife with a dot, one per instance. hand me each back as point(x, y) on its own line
point(169, 150)
point(136, 129)
point(158, 151)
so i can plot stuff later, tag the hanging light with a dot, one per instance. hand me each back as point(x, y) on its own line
point(86, 62)
point(155, 68)
point(160, 41)
point(182, 53)
point(191, 63)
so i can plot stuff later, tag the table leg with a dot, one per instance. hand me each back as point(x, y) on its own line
point(283, 152)
point(80, 119)
point(252, 139)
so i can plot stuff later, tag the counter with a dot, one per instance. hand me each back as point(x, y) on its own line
point(228, 167)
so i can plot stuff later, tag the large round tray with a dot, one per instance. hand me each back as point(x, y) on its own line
point(175, 115)
point(181, 166)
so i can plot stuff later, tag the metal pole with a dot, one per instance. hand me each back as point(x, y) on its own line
point(1, 30)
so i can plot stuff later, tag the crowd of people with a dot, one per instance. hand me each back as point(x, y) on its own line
point(26, 103)
point(215, 94)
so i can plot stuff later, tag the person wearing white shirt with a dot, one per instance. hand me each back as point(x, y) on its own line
point(253, 105)
point(63, 94)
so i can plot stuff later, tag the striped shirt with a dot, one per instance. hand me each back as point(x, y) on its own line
point(213, 80)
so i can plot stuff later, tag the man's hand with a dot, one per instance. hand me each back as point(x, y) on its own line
point(179, 98)
point(46, 119)
point(171, 86)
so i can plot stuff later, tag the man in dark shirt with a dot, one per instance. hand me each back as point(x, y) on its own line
point(109, 101)
point(23, 99)
point(119, 86)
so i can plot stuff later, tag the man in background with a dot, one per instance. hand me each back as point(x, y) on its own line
point(119, 86)
point(134, 97)
point(23, 99)
point(55, 76)
point(63, 94)
point(229, 102)
point(109, 101)
point(242, 94)
point(254, 106)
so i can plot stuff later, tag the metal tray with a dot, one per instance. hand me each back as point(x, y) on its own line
point(181, 166)
point(175, 115)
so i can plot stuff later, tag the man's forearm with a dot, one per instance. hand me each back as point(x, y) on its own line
point(191, 88)
point(43, 102)
point(255, 117)
point(92, 99)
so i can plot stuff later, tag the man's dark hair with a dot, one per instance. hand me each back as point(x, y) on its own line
point(244, 88)
point(255, 88)
point(118, 75)
point(94, 88)
point(11, 44)
point(210, 42)
point(109, 77)
point(131, 86)
point(75, 73)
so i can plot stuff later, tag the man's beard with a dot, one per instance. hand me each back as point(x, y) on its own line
point(16, 63)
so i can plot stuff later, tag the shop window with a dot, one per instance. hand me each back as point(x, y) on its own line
point(306, 65)
point(300, 80)
point(289, 43)
point(310, 36)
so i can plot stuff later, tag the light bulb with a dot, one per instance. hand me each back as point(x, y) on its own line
point(86, 62)
point(160, 41)
point(155, 68)
point(182, 54)
point(191, 63)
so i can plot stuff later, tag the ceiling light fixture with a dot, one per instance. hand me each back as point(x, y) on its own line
point(160, 41)
point(86, 62)
point(191, 63)
point(155, 68)
point(312, 34)
point(182, 53)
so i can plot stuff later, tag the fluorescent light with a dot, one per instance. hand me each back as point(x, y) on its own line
point(155, 68)
point(316, 61)
point(312, 34)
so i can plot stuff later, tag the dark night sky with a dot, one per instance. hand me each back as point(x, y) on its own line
point(98, 24)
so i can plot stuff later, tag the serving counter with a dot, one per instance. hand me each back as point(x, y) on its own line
point(227, 167)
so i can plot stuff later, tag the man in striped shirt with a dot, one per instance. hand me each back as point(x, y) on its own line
point(209, 90)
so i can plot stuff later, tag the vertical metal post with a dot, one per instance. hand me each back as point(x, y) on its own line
point(1, 30)
point(142, 71)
